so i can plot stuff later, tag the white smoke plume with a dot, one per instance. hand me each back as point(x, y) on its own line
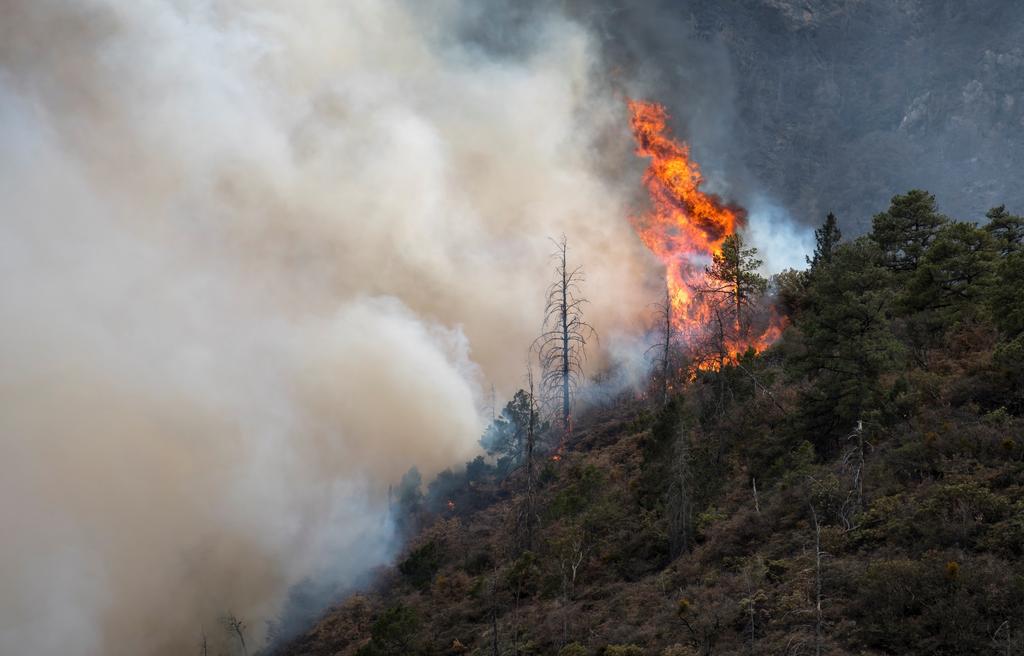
point(259, 258)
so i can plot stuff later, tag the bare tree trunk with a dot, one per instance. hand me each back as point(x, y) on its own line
point(565, 347)
point(860, 464)
point(236, 625)
point(570, 565)
point(679, 502)
point(666, 348)
point(561, 347)
point(757, 504)
point(739, 304)
point(531, 441)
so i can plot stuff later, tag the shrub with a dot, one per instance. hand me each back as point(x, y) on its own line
point(622, 650)
point(573, 649)
point(393, 633)
point(421, 565)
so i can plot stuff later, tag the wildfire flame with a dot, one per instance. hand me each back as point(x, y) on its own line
point(685, 228)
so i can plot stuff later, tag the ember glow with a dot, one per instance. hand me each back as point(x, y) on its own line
point(685, 228)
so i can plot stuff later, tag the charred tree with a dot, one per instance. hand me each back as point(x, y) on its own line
point(818, 554)
point(531, 442)
point(663, 348)
point(236, 626)
point(561, 347)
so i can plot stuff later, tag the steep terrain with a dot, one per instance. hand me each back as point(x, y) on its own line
point(856, 489)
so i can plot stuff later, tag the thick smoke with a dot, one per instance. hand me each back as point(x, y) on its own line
point(259, 258)
point(834, 105)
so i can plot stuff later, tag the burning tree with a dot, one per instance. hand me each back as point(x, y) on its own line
point(663, 349)
point(686, 229)
point(733, 285)
point(562, 344)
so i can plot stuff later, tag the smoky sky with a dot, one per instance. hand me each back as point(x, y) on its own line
point(834, 105)
point(259, 258)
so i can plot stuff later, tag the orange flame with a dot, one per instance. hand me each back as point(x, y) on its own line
point(684, 229)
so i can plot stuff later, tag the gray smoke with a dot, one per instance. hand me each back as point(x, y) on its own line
point(837, 105)
point(259, 258)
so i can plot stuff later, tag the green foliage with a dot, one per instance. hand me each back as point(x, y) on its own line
point(1006, 298)
point(826, 240)
point(506, 436)
point(905, 231)
point(1006, 229)
point(422, 564)
point(548, 474)
point(1008, 374)
point(937, 604)
point(734, 281)
point(845, 343)
point(892, 406)
point(953, 276)
point(656, 451)
point(583, 484)
point(790, 289)
point(393, 634)
point(573, 649)
point(478, 563)
point(524, 575)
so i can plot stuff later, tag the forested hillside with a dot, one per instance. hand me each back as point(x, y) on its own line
point(854, 489)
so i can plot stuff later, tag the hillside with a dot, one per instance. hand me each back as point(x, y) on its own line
point(854, 489)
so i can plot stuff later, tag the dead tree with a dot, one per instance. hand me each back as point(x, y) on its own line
point(236, 626)
point(818, 624)
point(663, 348)
point(853, 462)
point(679, 506)
point(571, 558)
point(561, 347)
point(531, 442)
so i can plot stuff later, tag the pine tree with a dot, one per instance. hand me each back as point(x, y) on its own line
point(906, 229)
point(826, 240)
point(733, 277)
point(1007, 229)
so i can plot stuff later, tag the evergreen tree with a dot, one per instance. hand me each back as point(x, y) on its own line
point(826, 240)
point(953, 276)
point(733, 277)
point(1007, 229)
point(1006, 296)
point(506, 436)
point(905, 231)
point(846, 342)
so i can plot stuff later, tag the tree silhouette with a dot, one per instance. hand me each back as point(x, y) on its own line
point(561, 347)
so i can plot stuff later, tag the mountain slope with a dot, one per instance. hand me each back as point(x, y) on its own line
point(856, 489)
